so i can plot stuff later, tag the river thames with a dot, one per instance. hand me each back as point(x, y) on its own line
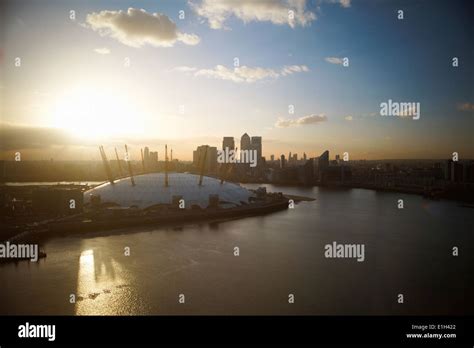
point(407, 251)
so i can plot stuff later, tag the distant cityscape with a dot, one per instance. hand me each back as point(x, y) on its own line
point(448, 178)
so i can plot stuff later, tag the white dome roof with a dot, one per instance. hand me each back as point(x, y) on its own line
point(149, 190)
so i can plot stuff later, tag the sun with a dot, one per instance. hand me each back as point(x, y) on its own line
point(96, 112)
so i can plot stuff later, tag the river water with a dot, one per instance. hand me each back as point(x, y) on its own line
point(407, 251)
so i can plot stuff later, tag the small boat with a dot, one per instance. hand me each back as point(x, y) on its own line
point(41, 255)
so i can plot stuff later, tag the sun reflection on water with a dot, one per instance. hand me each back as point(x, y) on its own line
point(100, 287)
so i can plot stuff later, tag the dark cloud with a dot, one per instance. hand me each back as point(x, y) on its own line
point(15, 137)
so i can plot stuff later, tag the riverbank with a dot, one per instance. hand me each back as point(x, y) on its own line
point(84, 223)
point(460, 194)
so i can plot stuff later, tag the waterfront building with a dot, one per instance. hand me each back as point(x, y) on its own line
point(208, 154)
point(282, 161)
point(256, 144)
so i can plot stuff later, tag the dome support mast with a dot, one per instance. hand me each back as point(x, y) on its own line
point(127, 158)
point(203, 165)
point(108, 171)
point(118, 163)
point(166, 166)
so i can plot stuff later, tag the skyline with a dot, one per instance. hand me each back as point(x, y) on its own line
point(73, 91)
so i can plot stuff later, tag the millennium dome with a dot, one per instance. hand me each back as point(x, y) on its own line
point(150, 190)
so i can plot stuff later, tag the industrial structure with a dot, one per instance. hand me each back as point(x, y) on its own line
point(150, 190)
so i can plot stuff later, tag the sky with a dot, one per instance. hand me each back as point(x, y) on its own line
point(187, 73)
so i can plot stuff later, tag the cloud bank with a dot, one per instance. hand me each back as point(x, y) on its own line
point(466, 107)
point(343, 3)
point(243, 73)
point(281, 12)
point(302, 121)
point(333, 60)
point(102, 50)
point(14, 137)
point(136, 27)
point(184, 69)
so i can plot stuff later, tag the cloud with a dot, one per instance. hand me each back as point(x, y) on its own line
point(184, 69)
point(343, 3)
point(102, 50)
point(240, 74)
point(334, 60)
point(408, 111)
point(349, 118)
point(136, 27)
point(466, 106)
point(288, 70)
point(302, 121)
point(15, 137)
point(249, 74)
point(189, 39)
point(290, 12)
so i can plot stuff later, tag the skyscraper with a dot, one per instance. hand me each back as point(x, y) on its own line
point(146, 158)
point(245, 142)
point(228, 142)
point(256, 144)
point(146, 154)
point(208, 155)
point(153, 160)
point(323, 161)
point(323, 164)
point(282, 161)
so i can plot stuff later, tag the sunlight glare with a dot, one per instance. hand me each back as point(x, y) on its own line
point(95, 113)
